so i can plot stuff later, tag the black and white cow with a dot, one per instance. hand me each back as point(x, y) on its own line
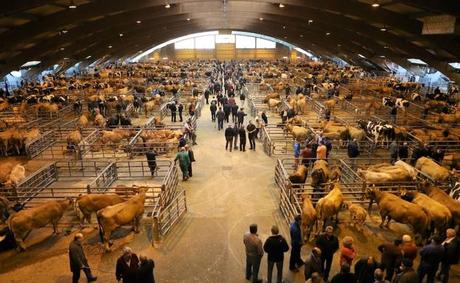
point(398, 102)
point(455, 191)
point(378, 130)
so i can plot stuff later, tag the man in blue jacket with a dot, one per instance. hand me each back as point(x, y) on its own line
point(295, 260)
point(432, 255)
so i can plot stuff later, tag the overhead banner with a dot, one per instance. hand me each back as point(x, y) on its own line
point(443, 24)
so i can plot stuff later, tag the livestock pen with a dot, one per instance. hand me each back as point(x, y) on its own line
point(164, 203)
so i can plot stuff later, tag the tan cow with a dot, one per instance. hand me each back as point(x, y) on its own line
point(117, 215)
point(358, 215)
point(298, 133)
point(300, 175)
point(439, 214)
point(117, 135)
point(330, 205)
point(309, 217)
point(432, 169)
point(86, 205)
point(393, 207)
point(23, 222)
point(442, 197)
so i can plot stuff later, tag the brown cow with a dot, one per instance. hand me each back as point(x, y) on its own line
point(300, 175)
point(330, 205)
point(23, 222)
point(442, 197)
point(439, 214)
point(86, 205)
point(358, 215)
point(309, 217)
point(117, 215)
point(393, 207)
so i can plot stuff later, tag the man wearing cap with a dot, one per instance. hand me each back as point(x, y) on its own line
point(127, 266)
point(78, 260)
point(329, 245)
point(254, 253)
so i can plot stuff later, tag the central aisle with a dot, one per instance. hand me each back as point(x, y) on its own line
point(228, 192)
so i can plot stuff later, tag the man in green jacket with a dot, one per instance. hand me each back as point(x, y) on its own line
point(184, 162)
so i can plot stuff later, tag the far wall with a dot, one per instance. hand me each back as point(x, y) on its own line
point(224, 51)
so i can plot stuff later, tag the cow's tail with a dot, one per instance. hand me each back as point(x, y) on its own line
point(101, 227)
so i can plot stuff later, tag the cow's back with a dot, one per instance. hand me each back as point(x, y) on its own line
point(36, 217)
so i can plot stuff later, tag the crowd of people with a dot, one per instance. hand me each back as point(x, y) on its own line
point(396, 263)
point(129, 267)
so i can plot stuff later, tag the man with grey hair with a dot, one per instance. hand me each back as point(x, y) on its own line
point(127, 265)
point(451, 255)
point(254, 253)
point(275, 247)
point(78, 260)
point(379, 276)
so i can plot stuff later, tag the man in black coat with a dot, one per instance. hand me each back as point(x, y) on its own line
point(451, 254)
point(78, 260)
point(229, 133)
point(227, 111)
point(151, 160)
point(365, 268)
point(403, 152)
point(220, 119)
point(127, 266)
point(173, 109)
point(252, 130)
point(431, 255)
point(242, 133)
point(240, 114)
point(180, 108)
point(234, 113)
point(145, 271)
point(206, 95)
point(329, 244)
point(275, 246)
point(213, 109)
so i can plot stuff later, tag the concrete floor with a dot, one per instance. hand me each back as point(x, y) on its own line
point(227, 193)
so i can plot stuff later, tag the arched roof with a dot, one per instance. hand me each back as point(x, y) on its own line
point(48, 31)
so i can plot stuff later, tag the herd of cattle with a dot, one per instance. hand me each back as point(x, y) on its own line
point(104, 102)
point(424, 191)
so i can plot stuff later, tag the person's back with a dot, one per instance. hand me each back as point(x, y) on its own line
point(344, 276)
point(145, 271)
point(229, 132)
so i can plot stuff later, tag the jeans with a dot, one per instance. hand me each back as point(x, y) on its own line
point(428, 270)
point(295, 260)
point(279, 269)
point(242, 144)
point(252, 267)
point(229, 142)
point(445, 268)
point(252, 143)
point(326, 262)
point(76, 275)
point(220, 124)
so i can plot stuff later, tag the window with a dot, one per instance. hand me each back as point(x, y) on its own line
point(455, 65)
point(225, 38)
point(185, 44)
point(416, 61)
point(263, 43)
point(245, 41)
point(205, 42)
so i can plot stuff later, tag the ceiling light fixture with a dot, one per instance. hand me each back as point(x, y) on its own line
point(284, 27)
point(301, 35)
point(87, 57)
point(72, 5)
point(110, 46)
point(64, 31)
point(386, 47)
point(328, 33)
point(121, 35)
point(310, 21)
point(261, 19)
point(281, 5)
point(167, 6)
point(62, 48)
point(383, 29)
point(138, 22)
point(376, 5)
point(188, 19)
point(65, 58)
